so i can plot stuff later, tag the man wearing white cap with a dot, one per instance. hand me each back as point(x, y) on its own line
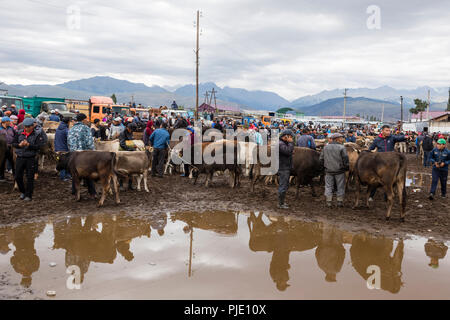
point(116, 128)
point(334, 158)
point(54, 116)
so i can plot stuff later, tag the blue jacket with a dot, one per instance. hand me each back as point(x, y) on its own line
point(54, 117)
point(160, 138)
point(386, 144)
point(61, 137)
point(440, 156)
point(350, 139)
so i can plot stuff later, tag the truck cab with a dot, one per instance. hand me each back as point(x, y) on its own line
point(48, 106)
point(6, 100)
point(100, 107)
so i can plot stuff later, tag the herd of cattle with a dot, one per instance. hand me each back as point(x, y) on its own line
point(106, 164)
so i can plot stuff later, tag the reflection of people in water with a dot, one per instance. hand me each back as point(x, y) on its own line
point(435, 250)
point(281, 238)
point(25, 260)
point(330, 252)
point(279, 265)
point(5, 239)
point(367, 250)
point(86, 243)
point(158, 221)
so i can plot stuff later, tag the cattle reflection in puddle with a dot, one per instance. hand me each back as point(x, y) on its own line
point(213, 240)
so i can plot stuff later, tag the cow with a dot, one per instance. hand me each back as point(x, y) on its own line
point(306, 166)
point(209, 169)
point(95, 165)
point(353, 151)
point(134, 163)
point(382, 169)
point(48, 150)
point(114, 145)
point(50, 126)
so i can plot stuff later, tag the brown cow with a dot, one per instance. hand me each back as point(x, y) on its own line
point(353, 151)
point(94, 165)
point(382, 169)
point(210, 148)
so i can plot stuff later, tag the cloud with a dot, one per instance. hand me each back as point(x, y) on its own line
point(290, 47)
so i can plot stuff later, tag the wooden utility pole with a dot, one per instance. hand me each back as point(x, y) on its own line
point(382, 113)
point(213, 93)
point(196, 63)
point(428, 105)
point(345, 105)
point(207, 101)
point(401, 112)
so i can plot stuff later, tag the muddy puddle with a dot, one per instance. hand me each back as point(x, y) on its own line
point(214, 255)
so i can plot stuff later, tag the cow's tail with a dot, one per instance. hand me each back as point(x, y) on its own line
point(114, 166)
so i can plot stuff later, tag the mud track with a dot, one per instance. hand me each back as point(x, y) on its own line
point(52, 198)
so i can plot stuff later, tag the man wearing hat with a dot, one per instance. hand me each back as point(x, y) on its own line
point(54, 116)
point(13, 110)
point(27, 144)
point(127, 135)
point(440, 159)
point(80, 138)
point(334, 158)
point(286, 150)
point(2, 111)
point(9, 133)
point(116, 128)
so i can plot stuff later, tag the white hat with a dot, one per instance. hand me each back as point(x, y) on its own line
point(4, 107)
point(118, 119)
point(56, 110)
point(53, 111)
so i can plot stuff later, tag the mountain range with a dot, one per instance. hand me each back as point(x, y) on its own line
point(365, 101)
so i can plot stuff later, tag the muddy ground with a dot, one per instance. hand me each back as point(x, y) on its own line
point(53, 198)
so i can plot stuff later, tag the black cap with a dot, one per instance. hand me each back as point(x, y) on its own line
point(80, 117)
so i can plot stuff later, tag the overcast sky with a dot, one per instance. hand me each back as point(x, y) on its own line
point(290, 47)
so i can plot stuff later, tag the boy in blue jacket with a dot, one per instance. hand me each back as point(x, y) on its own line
point(440, 159)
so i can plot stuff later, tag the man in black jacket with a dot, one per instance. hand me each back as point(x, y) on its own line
point(127, 135)
point(27, 144)
point(286, 150)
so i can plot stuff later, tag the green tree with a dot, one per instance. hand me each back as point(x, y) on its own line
point(113, 97)
point(284, 110)
point(421, 106)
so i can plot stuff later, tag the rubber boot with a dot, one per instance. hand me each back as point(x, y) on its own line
point(281, 203)
point(340, 202)
point(329, 202)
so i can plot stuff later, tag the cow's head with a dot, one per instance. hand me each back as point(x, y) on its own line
point(62, 161)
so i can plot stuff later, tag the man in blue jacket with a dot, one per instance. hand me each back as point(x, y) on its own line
point(61, 145)
point(159, 141)
point(385, 142)
point(440, 159)
point(350, 137)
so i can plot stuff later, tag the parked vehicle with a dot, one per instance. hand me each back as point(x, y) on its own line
point(36, 105)
point(97, 107)
point(7, 100)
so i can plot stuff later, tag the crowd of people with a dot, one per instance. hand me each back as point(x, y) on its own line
point(25, 135)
